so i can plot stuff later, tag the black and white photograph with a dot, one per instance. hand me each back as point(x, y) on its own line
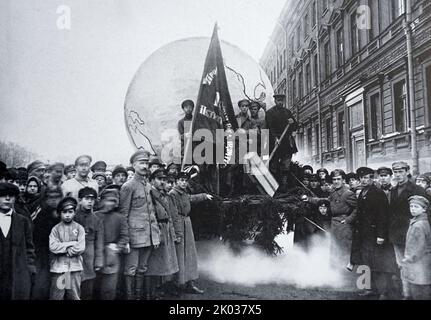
point(235, 152)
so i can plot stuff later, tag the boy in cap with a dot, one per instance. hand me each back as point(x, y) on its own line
point(108, 174)
point(119, 175)
point(416, 264)
point(186, 249)
point(399, 212)
point(137, 206)
point(115, 242)
point(173, 169)
point(154, 164)
point(325, 215)
point(70, 171)
point(66, 243)
point(353, 180)
point(93, 254)
point(100, 178)
point(17, 257)
point(71, 187)
point(322, 173)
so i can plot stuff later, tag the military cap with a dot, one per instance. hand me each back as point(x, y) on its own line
point(34, 166)
point(352, 175)
point(322, 170)
point(69, 168)
point(56, 166)
point(422, 201)
point(87, 192)
point(400, 165)
point(83, 157)
point(183, 174)
point(338, 172)
point(323, 203)
point(159, 173)
point(363, 171)
point(155, 160)
point(119, 169)
point(140, 154)
point(314, 177)
point(187, 102)
point(328, 179)
point(98, 174)
point(243, 101)
point(384, 170)
point(424, 177)
point(110, 193)
point(113, 187)
point(8, 189)
point(171, 178)
point(66, 202)
point(99, 166)
point(307, 167)
point(279, 96)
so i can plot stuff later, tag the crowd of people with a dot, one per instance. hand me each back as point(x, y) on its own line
point(93, 233)
point(375, 218)
point(126, 233)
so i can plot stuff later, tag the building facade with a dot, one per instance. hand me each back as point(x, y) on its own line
point(357, 74)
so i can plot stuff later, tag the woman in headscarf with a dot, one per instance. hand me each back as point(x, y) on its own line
point(29, 204)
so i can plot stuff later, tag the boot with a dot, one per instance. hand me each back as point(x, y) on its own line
point(128, 281)
point(191, 288)
point(139, 282)
point(149, 288)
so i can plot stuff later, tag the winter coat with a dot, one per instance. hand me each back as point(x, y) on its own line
point(416, 267)
point(186, 249)
point(371, 223)
point(163, 261)
point(399, 209)
point(137, 206)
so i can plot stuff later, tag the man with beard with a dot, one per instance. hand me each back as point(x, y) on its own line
point(17, 256)
point(184, 123)
point(71, 187)
point(108, 174)
point(137, 206)
point(399, 209)
point(119, 175)
point(370, 246)
point(36, 169)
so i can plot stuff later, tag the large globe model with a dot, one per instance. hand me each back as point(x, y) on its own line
point(172, 74)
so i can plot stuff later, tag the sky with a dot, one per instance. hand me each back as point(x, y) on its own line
point(62, 90)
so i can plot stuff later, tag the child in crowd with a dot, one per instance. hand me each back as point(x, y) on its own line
point(417, 256)
point(66, 243)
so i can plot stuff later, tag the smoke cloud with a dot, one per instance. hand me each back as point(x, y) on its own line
point(250, 267)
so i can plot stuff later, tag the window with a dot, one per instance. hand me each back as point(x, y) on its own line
point(313, 13)
point(327, 53)
point(340, 127)
point(356, 115)
point(400, 104)
point(397, 8)
point(354, 31)
point(375, 120)
point(316, 132)
point(308, 78)
point(306, 26)
point(300, 83)
point(428, 94)
point(298, 36)
point(340, 48)
point(309, 141)
point(316, 71)
point(328, 134)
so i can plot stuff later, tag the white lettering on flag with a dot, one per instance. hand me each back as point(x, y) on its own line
point(209, 77)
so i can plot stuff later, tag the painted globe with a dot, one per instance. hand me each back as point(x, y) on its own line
point(171, 75)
